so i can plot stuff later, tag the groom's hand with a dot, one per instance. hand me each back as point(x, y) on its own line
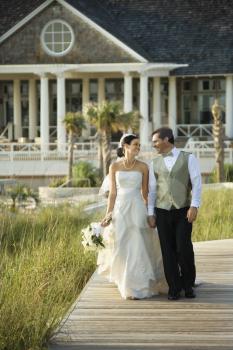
point(192, 214)
point(152, 221)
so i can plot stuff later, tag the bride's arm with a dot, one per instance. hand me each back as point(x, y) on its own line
point(145, 178)
point(112, 195)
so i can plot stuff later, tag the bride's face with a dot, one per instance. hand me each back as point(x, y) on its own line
point(133, 148)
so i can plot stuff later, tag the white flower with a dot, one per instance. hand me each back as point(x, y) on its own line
point(96, 228)
point(92, 238)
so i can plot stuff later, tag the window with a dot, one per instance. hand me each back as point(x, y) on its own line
point(114, 90)
point(209, 89)
point(57, 38)
point(93, 86)
point(187, 85)
point(73, 95)
point(186, 101)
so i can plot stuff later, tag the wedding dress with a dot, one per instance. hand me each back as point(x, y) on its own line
point(132, 256)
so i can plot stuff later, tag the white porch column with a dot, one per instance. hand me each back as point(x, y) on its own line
point(144, 123)
point(32, 109)
point(229, 106)
point(172, 117)
point(101, 90)
point(85, 101)
point(61, 111)
point(128, 93)
point(156, 103)
point(44, 112)
point(17, 110)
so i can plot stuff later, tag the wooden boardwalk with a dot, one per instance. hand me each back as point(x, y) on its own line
point(100, 319)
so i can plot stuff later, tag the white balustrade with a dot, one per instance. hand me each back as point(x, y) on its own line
point(91, 147)
point(25, 152)
point(193, 144)
point(199, 130)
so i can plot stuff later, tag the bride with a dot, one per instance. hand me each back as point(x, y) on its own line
point(132, 259)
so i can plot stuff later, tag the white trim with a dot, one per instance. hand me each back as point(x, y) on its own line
point(229, 106)
point(103, 32)
point(84, 18)
point(172, 104)
point(150, 67)
point(25, 20)
point(159, 69)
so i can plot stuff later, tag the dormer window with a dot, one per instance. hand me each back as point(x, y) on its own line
point(57, 38)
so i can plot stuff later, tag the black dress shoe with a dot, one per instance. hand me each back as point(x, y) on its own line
point(174, 296)
point(189, 293)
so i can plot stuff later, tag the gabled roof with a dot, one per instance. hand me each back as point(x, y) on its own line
point(97, 11)
point(90, 10)
point(197, 32)
point(13, 11)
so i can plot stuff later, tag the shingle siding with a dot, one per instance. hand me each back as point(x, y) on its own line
point(24, 46)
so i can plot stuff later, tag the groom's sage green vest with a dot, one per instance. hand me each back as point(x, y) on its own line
point(173, 189)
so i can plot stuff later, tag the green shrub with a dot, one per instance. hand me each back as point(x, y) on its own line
point(85, 175)
point(56, 182)
point(228, 171)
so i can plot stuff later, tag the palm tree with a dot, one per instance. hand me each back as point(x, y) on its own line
point(107, 117)
point(218, 134)
point(74, 123)
point(22, 193)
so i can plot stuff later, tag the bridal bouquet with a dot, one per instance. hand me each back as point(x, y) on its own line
point(92, 238)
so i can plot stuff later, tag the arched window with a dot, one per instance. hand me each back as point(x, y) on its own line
point(57, 38)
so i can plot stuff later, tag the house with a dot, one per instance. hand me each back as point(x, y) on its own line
point(168, 58)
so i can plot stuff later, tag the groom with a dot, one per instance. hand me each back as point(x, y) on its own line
point(173, 201)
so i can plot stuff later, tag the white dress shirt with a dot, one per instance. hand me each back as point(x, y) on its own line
point(194, 173)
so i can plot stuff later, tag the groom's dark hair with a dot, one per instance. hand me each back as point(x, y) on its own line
point(165, 132)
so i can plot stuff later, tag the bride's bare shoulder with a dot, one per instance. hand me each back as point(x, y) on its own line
point(116, 165)
point(143, 165)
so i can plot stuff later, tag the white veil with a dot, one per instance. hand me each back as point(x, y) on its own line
point(104, 188)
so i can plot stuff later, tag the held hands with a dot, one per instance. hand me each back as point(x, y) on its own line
point(106, 220)
point(192, 214)
point(151, 221)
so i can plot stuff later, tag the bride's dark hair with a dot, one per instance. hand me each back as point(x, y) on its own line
point(127, 139)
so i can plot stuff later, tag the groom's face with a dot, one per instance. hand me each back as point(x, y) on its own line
point(159, 144)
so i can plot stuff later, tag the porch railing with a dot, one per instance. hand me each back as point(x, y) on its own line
point(191, 130)
point(195, 144)
point(88, 150)
point(51, 151)
point(205, 149)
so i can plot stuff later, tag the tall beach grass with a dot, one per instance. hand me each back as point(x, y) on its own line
point(215, 217)
point(42, 271)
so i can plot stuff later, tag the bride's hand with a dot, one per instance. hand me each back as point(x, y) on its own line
point(152, 221)
point(106, 220)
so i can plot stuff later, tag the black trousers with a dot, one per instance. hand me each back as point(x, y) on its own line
point(177, 249)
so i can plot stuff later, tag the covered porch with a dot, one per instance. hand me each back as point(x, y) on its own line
point(35, 99)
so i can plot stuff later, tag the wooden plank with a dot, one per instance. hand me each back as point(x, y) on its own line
point(100, 319)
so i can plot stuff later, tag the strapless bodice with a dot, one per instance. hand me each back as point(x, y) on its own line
point(128, 183)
